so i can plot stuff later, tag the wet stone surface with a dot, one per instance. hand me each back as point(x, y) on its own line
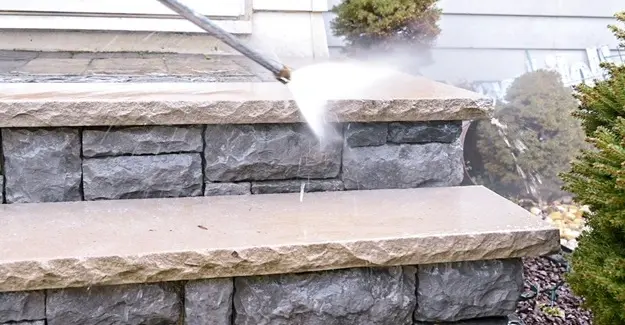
point(128, 304)
point(345, 297)
point(403, 166)
point(209, 302)
point(127, 177)
point(366, 134)
point(216, 189)
point(267, 152)
point(293, 186)
point(22, 306)
point(424, 132)
point(141, 140)
point(450, 292)
point(41, 165)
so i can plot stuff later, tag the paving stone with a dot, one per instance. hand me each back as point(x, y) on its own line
point(209, 302)
point(267, 152)
point(204, 65)
point(11, 66)
point(366, 134)
point(403, 166)
point(149, 304)
point(449, 292)
point(133, 177)
point(55, 66)
point(108, 55)
point(127, 66)
point(41, 165)
point(343, 297)
point(141, 140)
point(55, 55)
point(294, 186)
point(22, 306)
point(6, 55)
point(424, 132)
point(216, 189)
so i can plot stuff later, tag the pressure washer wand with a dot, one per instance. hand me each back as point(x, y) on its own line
point(281, 72)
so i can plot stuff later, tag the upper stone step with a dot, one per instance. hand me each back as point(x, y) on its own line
point(81, 244)
point(399, 97)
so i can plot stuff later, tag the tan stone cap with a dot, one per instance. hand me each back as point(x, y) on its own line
point(55, 245)
point(408, 98)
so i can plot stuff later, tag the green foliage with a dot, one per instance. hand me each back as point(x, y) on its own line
point(597, 178)
point(541, 138)
point(386, 24)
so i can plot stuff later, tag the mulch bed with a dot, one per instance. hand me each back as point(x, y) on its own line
point(547, 274)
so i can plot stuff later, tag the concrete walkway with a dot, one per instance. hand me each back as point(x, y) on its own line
point(21, 66)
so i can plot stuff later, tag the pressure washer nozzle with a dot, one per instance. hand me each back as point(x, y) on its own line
point(284, 75)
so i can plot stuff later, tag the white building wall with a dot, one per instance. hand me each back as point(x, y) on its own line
point(493, 41)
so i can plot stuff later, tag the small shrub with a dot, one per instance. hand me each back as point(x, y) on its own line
point(541, 139)
point(597, 178)
point(386, 25)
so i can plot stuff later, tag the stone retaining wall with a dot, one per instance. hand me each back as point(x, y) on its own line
point(72, 164)
point(481, 292)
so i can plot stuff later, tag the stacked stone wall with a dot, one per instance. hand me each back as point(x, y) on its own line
point(73, 164)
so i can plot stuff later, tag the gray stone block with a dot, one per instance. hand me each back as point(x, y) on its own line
point(424, 132)
point(145, 304)
point(403, 166)
point(22, 306)
point(42, 165)
point(141, 140)
point(377, 296)
point(293, 186)
point(366, 134)
point(1, 188)
point(450, 292)
point(268, 152)
point(209, 302)
point(215, 189)
point(133, 177)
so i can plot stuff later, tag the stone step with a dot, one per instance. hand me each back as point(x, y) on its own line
point(399, 98)
point(82, 244)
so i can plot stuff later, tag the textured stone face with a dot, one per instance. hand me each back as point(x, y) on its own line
point(209, 302)
point(22, 306)
point(214, 189)
point(41, 165)
point(147, 304)
point(424, 132)
point(141, 140)
point(97, 104)
point(128, 177)
point(464, 290)
point(267, 152)
point(366, 134)
point(292, 186)
point(344, 297)
point(403, 166)
point(1, 189)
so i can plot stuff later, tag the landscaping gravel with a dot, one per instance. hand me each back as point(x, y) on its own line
point(546, 273)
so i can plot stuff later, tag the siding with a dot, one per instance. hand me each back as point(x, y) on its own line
point(490, 40)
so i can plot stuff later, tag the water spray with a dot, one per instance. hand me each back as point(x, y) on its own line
point(280, 71)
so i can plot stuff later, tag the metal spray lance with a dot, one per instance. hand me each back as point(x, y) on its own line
point(280, 71)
